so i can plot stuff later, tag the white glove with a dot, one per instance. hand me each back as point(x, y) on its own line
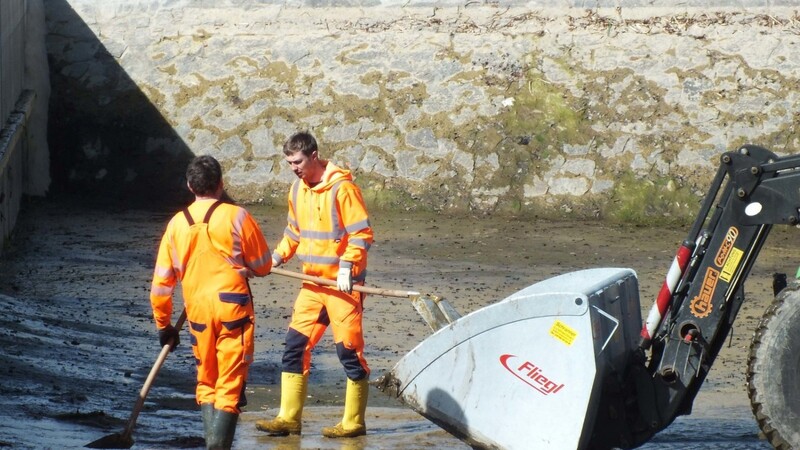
point(276, 261)
point(344, 281)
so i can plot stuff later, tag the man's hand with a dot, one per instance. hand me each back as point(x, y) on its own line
point(169, 333)
point(276, 261)
point(344, 281)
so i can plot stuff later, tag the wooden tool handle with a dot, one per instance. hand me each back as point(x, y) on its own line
point(148, 383)
point(359, 288)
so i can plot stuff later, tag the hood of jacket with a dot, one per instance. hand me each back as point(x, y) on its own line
point(331, 176)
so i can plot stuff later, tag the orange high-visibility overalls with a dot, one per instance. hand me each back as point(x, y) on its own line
point(328, 228)
point(212, 259)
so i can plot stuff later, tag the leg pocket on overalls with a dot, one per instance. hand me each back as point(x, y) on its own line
point(236, 304)
point(235, 307)
point(239, 333)
point(236, 317)
point(195, 330)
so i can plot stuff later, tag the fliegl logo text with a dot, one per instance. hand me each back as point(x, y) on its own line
point(530, 374)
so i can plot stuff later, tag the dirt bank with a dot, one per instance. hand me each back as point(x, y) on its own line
point(77, 336)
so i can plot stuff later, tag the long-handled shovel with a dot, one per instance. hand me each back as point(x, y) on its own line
point(124, 439)
point(435, 311)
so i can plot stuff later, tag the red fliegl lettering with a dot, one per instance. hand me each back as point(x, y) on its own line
point(532, 375)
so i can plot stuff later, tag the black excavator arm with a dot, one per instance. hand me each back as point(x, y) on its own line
point(752, 190)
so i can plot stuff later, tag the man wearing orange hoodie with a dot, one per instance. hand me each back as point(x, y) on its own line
point(328, 229)
point(212, 248)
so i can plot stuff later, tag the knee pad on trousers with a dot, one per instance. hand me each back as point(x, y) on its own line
point(293, 351)
point(352, 365)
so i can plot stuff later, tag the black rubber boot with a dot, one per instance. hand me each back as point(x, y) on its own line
point(222, 430)
point(207, 411)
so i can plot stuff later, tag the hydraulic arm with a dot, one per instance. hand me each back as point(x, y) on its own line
point(566, 362)
point(752, 190)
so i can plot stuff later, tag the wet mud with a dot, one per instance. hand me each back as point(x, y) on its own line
point(77, 338)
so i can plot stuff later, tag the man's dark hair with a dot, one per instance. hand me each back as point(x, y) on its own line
point(204, 175)
point(300, 142)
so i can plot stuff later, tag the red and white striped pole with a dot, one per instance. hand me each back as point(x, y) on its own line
point(658, 310)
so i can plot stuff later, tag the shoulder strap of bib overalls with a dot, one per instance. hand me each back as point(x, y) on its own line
point(208, 213)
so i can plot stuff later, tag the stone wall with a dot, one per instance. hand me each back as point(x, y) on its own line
point(617, 112)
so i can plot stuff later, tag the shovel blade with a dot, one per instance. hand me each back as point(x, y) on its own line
point(435, 311)
point(116, 440)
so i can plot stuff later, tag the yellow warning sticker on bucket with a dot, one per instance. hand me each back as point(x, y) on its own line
point(563, 332)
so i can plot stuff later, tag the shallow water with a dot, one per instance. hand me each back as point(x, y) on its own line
point(711, 428)
point(77, 338)
point(389, 428)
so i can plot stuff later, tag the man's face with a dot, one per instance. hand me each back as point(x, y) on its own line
point(302, 165)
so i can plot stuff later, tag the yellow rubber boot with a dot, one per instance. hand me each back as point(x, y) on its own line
point(293, 396)
point(355, 407)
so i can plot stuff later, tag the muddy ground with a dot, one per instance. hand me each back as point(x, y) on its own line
point(77, 338)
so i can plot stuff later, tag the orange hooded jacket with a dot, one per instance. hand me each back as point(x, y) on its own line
point(328, 226)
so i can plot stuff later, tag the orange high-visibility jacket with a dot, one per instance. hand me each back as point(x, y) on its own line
point(328, 226)
point(234, 234)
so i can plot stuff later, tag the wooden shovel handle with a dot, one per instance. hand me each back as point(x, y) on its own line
point(359, 288)
point(165, 351)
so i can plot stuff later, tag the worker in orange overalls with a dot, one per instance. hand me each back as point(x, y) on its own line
point(328, 229)
point(212, 248)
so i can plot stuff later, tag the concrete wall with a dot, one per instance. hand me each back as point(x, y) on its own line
point(12, 46)
point(617, 111)
point(24, 161)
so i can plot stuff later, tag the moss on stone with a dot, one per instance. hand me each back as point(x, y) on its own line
point(650, 202)
point(543, 113)
point(170, 70)
point(344, 56)
point(379, 195)
point(156, 97)
point(201, 35)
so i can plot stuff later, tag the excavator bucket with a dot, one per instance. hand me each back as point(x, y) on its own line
point(526, 372)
